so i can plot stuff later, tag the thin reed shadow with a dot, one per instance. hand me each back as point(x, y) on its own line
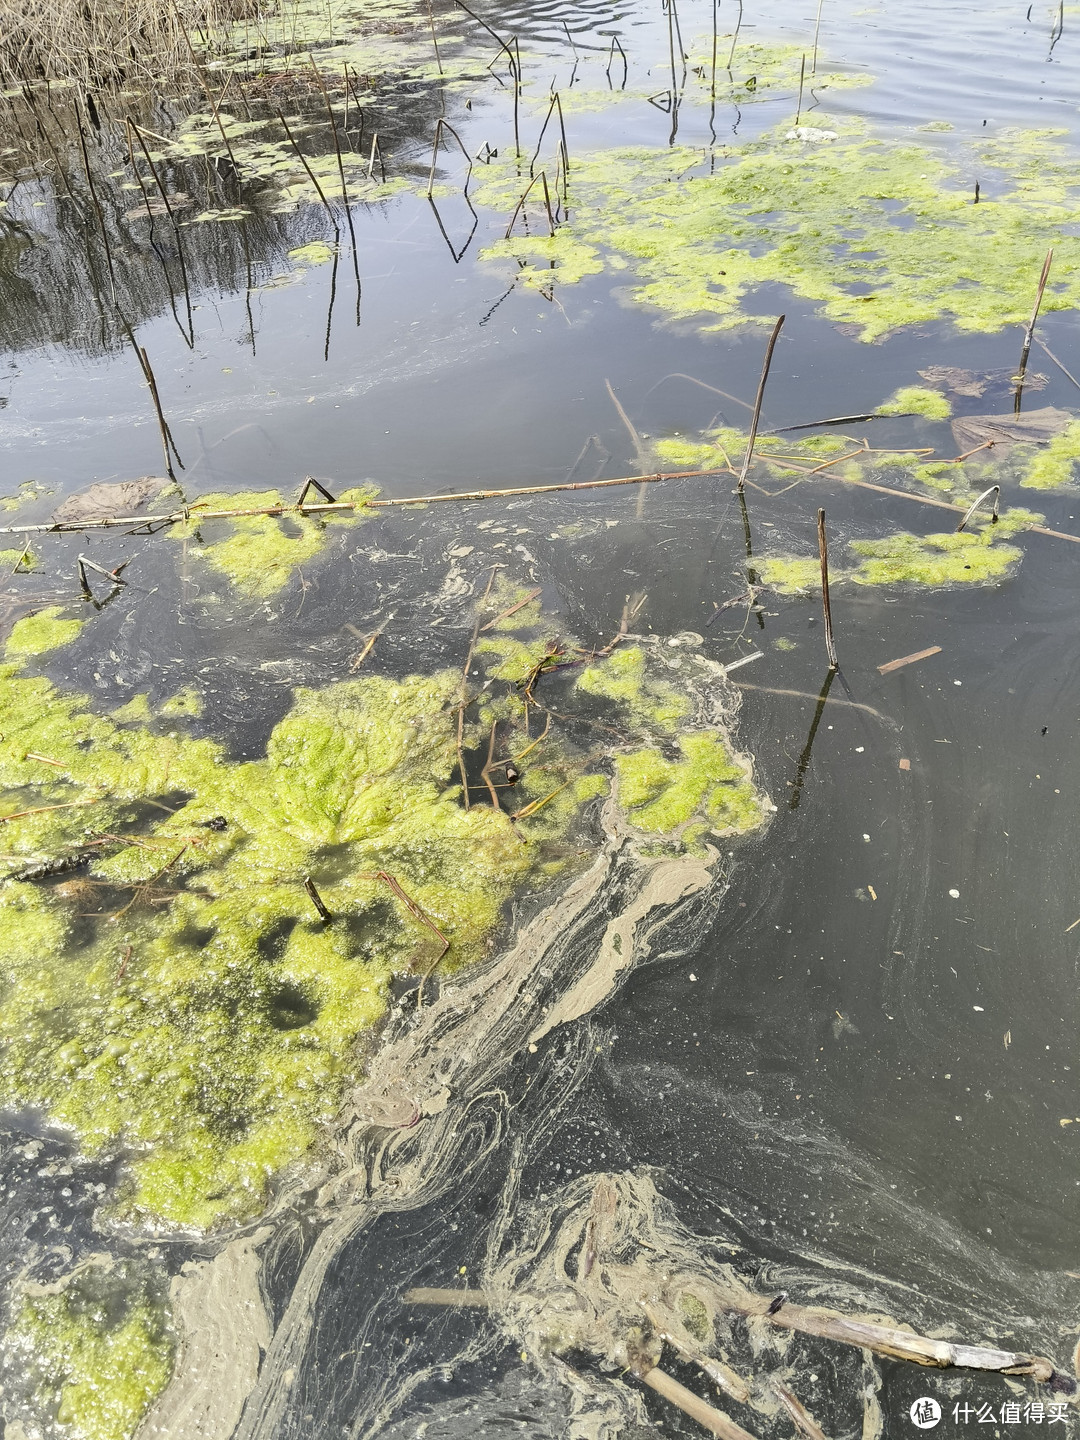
point(804, 758)
point(752, 577)
point(330, 306)
point(440, 125)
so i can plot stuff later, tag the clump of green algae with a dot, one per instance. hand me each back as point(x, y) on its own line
point(974, 556)
point(880, 233)
point(1054, 464)
point(181, 1001)
point(97, 1346)
point(42, 631)
point(259, 554)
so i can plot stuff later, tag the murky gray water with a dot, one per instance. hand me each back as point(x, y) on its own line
point(860, 1070)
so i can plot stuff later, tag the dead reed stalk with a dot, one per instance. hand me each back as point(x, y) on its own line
point(1029, 333)
point(823, 551)
point(748, 457)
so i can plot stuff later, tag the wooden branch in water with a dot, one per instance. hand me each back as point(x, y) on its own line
point(845, 1330)
point(713, 1420)
point(434, 1295)
point(902, 1344)
point(803, 1420)
point(194, 512)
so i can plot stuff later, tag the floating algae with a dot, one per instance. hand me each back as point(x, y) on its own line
point(917, 400)
point(701, 791)
point(969, 557)
point(93, 1349)
point(179, 1005)
point(260, 553)
point(1055, 465)
point(44, 630)
point(200, 1014)
point(878, 233)
point(933, 560)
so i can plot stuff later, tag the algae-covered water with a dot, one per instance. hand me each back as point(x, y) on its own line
point(404, 897)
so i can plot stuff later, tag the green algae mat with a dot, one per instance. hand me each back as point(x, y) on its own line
point(171, 992)
point(239, 947)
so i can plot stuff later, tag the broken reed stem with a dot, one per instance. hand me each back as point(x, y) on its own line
point(817, 32)
point(706, 1415)
point(434, 39)
point(748, 457)
point(803, 1421)
point(167, 440)
point(518, 208)
point(735, 37)
point(720, 1374)
point(1029, 333)
point(829, 1325)
point(513, 609)
point(995, 491)
point(802, 77)
point(440, 125)
point(376, 148)
point(823, 551)
point(215, 105)
point(44, 129)
point(369, 645)
point(317, 900)
point(44, 809)
point(516, 72)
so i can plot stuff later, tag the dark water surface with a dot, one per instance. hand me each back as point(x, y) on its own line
point(862, 1068)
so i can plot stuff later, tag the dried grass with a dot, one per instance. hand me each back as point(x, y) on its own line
point(107, 43)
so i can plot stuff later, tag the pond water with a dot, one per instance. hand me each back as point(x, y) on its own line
point(846, 1063)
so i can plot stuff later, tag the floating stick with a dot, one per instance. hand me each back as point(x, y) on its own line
point(823, 551)
point(1067, 373)
point(706, 1415)
point(748, 457)
point(892, 665)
